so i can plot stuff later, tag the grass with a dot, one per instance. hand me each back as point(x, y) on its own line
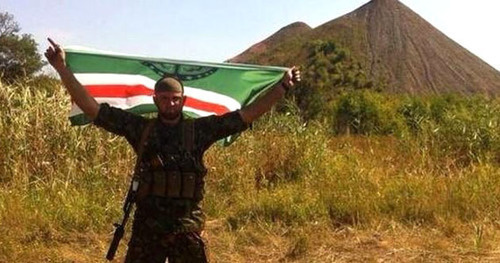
point(285, 191)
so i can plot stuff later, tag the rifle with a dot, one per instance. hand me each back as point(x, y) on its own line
point(131, 195)
point(120, 228)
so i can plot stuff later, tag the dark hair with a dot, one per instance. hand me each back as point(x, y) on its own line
point(166, 84)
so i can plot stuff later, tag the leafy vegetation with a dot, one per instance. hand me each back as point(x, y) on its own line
point(329, 71)
point(18, 53)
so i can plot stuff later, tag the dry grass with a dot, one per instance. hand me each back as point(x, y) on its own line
point(284, 192)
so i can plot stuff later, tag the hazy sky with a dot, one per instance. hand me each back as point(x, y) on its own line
point(220, 29)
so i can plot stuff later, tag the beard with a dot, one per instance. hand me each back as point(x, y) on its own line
point(170, 115)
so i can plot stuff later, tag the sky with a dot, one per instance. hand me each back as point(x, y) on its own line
point(217, 30)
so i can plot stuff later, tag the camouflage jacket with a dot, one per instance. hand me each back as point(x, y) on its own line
point(165, 214)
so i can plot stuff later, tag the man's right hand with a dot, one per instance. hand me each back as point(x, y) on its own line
point(57, 58)
point(55, 55)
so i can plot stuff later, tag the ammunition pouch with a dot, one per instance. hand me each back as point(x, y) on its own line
point(174, 175)
point(172, 184)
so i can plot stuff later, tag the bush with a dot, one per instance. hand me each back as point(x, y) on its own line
point(365, 112)
point(415, 113)
point(469, 130)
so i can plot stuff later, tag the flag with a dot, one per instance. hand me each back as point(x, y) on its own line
point(127, 82)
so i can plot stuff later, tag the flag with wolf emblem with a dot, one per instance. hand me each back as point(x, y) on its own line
point(127, 82)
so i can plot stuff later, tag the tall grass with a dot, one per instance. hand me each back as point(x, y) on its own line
point(430, 163)
point(54, 178)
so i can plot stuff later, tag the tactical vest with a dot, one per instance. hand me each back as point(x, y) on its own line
point(174, 175)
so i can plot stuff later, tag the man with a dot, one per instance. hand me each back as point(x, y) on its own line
point(168, 218)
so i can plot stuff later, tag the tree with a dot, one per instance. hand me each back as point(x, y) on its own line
point(18, 53)
point(329, 70)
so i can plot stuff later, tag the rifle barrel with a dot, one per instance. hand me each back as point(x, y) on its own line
point(117, 236)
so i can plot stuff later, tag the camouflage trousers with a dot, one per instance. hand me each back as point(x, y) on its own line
point(150, 243)
point(179, 248)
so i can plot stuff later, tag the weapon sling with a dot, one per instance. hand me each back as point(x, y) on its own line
point(131, 194)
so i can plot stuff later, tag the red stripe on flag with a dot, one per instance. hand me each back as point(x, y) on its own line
point(205, 106)
point(123, 91)
point(118, 91)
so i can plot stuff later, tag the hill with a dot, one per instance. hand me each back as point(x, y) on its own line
point(294, 30)
point(392, 43)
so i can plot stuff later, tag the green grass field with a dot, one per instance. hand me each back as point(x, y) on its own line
point(414, 180)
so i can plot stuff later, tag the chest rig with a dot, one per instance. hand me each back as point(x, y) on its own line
point(176, 173)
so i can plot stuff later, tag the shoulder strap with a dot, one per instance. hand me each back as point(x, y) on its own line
point(142, 141)
point(188, 135)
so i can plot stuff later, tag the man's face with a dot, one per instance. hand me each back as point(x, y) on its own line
point(169, 104)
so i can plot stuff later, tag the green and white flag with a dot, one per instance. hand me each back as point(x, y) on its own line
point(127, 82)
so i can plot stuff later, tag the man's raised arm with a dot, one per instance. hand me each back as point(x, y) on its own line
point(263, 104)
point(56, 57)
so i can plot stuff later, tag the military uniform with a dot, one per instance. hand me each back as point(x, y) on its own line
point(168, 218)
